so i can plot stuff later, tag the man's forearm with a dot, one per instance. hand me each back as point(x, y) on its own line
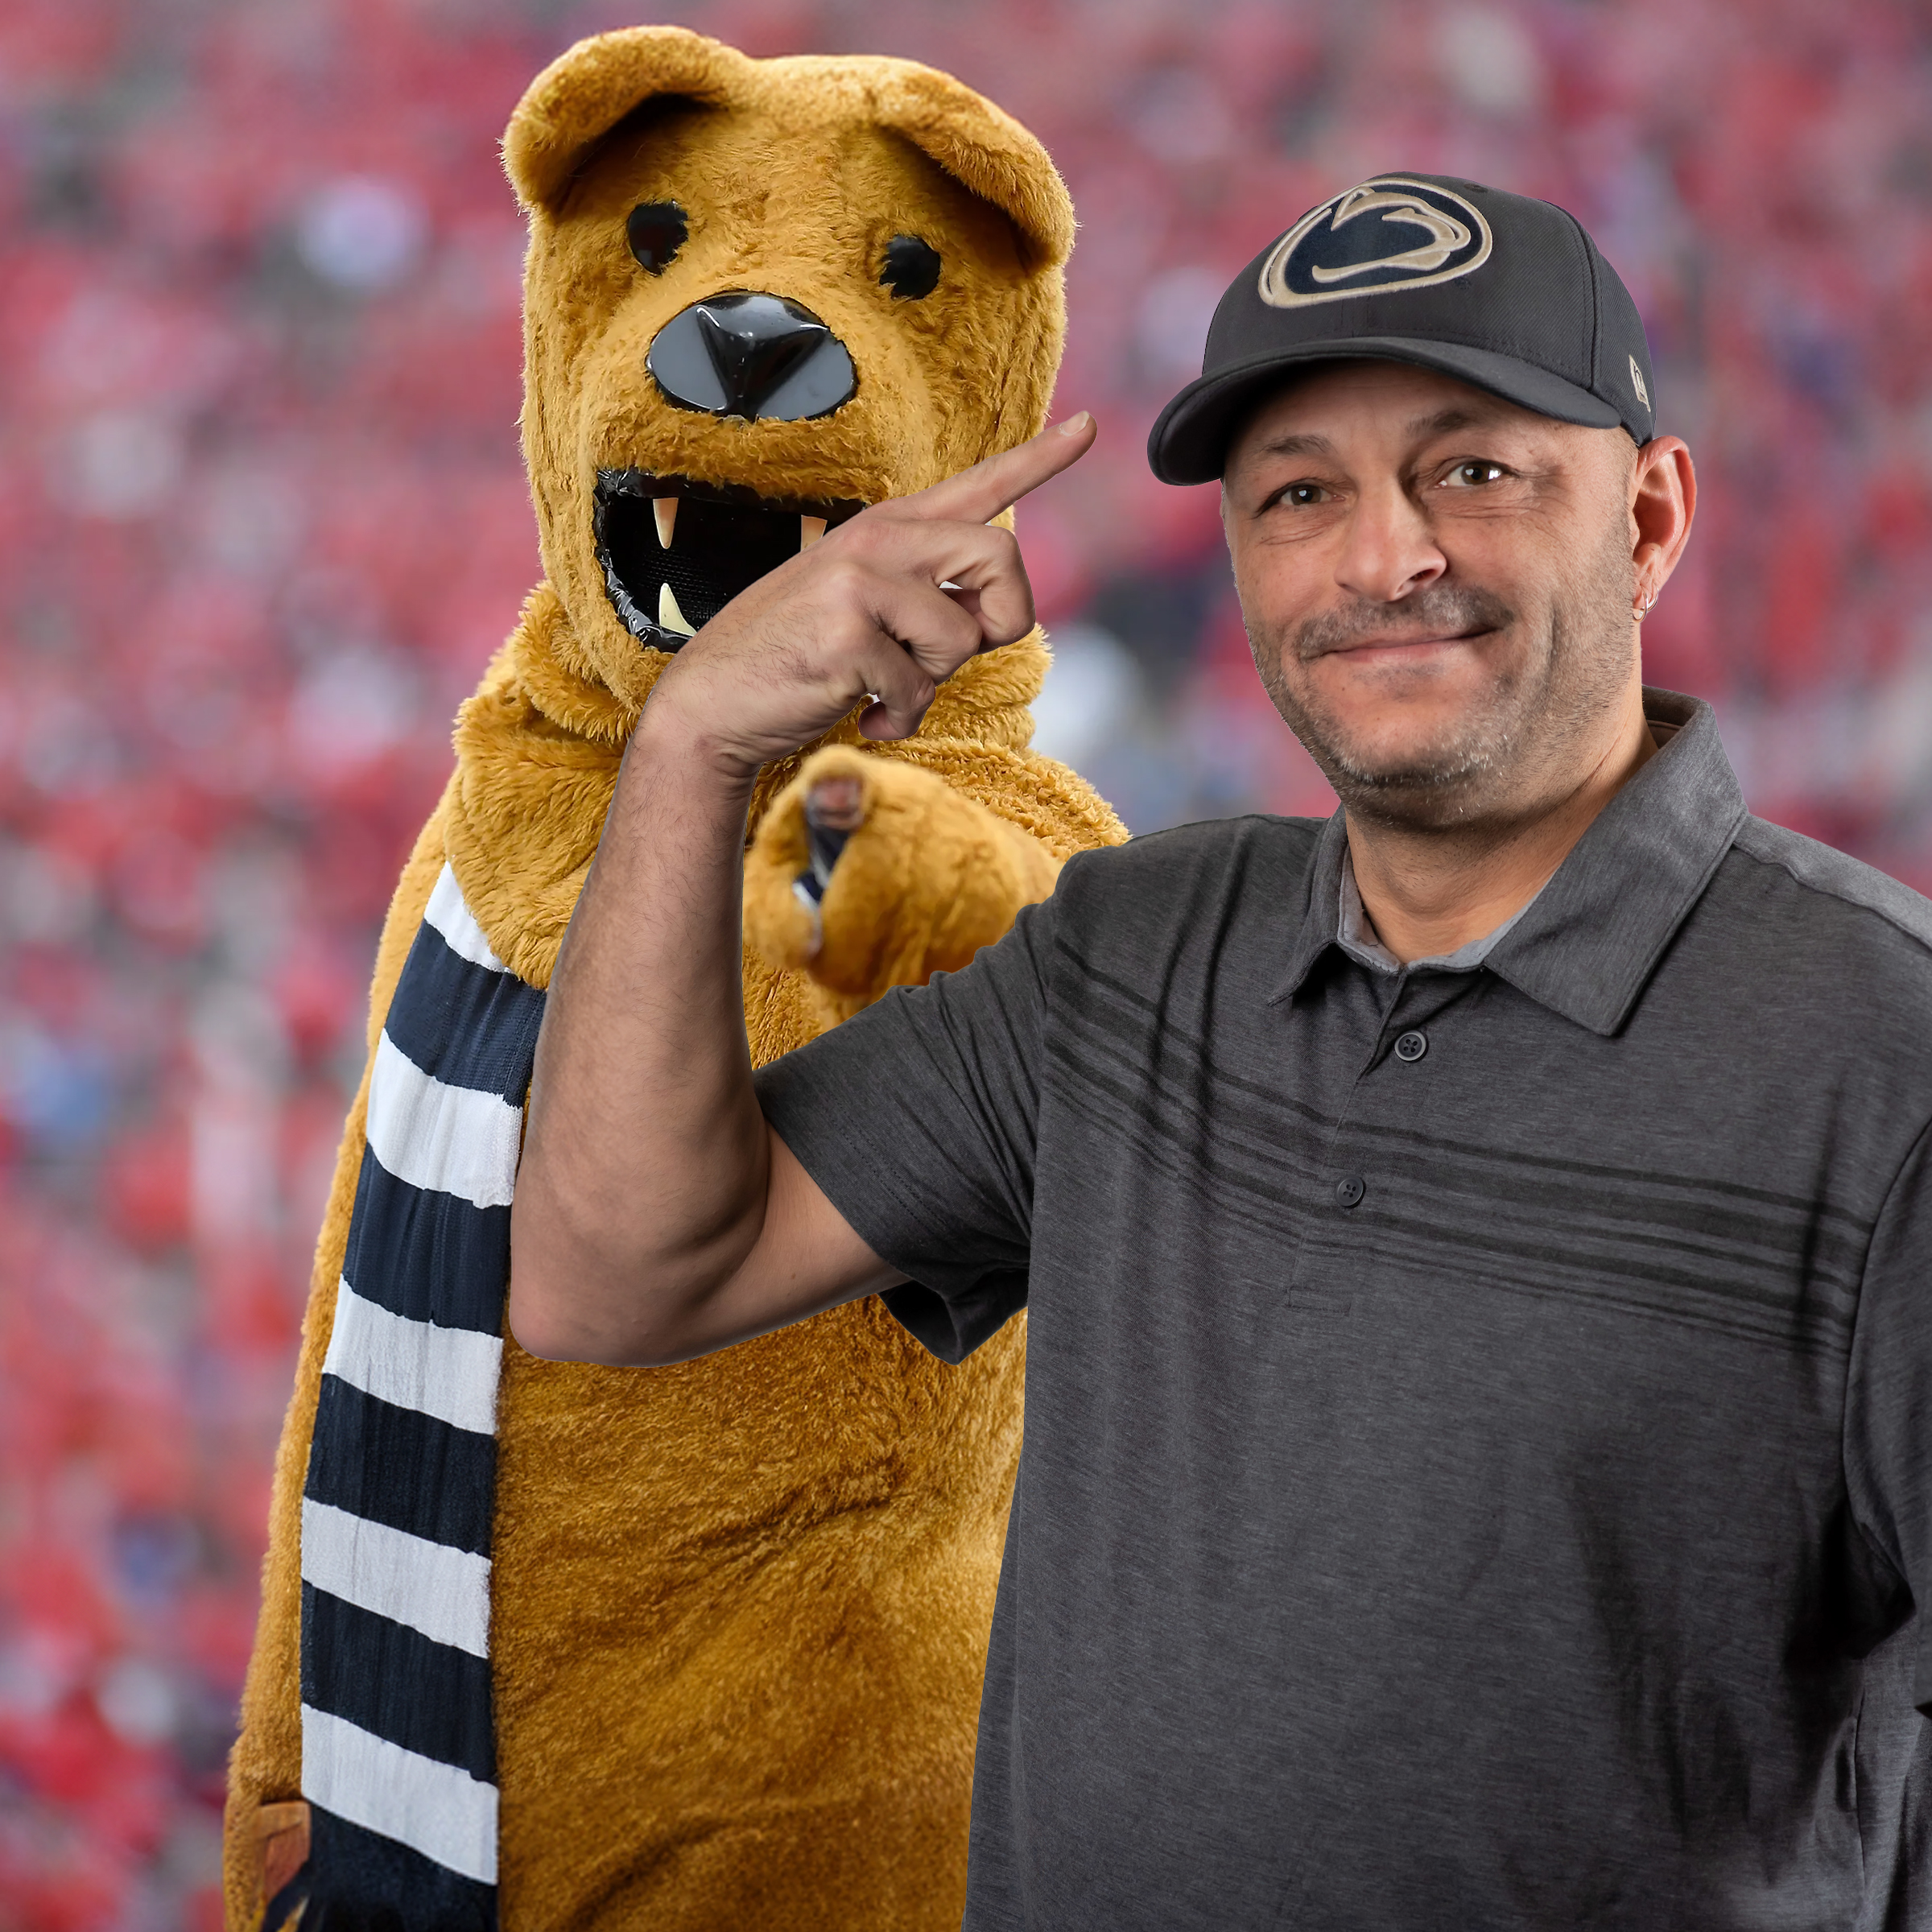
point(644, 1176)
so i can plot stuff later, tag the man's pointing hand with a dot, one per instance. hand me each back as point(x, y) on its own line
point(862, 613)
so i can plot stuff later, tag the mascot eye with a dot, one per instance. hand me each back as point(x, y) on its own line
point(657, 231)
point(912, 267)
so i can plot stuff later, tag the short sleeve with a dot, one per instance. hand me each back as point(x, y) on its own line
point(1888, 1396)
point(917, 1117)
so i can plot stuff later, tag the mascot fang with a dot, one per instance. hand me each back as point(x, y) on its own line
point(562, 1645)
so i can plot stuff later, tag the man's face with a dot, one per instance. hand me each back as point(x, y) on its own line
point(1438, 587)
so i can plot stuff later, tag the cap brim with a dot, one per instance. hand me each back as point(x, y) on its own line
point(1189, 442)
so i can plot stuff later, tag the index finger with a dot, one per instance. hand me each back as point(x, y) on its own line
point(979, 494)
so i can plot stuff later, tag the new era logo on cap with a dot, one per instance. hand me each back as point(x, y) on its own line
point(1500, 291)
point(1389, 234)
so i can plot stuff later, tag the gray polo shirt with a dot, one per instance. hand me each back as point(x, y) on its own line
point(1478, 1469)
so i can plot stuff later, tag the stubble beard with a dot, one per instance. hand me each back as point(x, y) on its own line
point(1528, 714)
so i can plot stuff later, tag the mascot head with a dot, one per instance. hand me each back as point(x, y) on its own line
point(759, 295)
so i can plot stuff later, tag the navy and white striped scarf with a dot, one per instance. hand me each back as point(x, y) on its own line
point(399, 1749)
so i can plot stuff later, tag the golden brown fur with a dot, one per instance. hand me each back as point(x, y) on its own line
point(740, 1605)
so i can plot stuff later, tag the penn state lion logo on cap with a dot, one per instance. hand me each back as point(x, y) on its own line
point(1389, 234)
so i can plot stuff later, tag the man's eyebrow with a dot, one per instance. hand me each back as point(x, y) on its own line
point(1297, 445)
point(1458, 415)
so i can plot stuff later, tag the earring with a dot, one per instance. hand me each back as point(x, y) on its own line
point(1645, 608)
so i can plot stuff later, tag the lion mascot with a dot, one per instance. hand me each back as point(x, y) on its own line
point(568, 1646)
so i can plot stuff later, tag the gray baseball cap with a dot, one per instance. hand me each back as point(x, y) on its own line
point(1509, 293)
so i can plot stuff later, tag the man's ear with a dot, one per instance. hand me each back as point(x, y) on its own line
point(985, 152)
point(586, 91)
point(1663, 501)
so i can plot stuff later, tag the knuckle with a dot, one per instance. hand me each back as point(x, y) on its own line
point(897, 675)
point(844, 575)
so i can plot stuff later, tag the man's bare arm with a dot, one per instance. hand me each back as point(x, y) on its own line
point(657, 1217)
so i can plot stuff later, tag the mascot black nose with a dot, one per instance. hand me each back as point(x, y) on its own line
point(752, 355)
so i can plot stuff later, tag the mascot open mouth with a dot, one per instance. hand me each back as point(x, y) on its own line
point(674, 553)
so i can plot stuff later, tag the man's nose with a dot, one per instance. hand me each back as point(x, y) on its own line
point(751, 355)
point(1390, 550)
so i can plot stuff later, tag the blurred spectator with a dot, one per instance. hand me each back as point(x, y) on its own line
point(262, 521)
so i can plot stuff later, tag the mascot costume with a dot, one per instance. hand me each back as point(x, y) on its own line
point(561, 1646)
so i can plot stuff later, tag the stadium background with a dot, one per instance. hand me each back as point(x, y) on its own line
point(261, 520)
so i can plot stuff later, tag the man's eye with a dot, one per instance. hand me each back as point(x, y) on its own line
point(1302, 496)
point(1468, 476)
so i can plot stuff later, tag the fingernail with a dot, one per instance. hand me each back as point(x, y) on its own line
point(1073, 426)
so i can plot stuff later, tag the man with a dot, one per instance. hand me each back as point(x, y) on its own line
point(1476, 1463)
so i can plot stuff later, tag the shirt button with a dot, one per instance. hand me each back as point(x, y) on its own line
point(1349, 1190)
point(1411, 1045)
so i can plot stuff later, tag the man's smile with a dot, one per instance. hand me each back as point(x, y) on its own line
point(1398, 647)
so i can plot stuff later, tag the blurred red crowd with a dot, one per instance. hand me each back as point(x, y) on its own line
point(262, 521)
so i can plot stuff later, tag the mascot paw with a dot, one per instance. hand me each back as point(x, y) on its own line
point(868, 873)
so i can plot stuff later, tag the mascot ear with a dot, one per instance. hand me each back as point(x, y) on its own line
point(984, 149)
point(585, 92)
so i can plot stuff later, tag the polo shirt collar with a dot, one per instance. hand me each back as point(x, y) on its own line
point(1586, 947)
